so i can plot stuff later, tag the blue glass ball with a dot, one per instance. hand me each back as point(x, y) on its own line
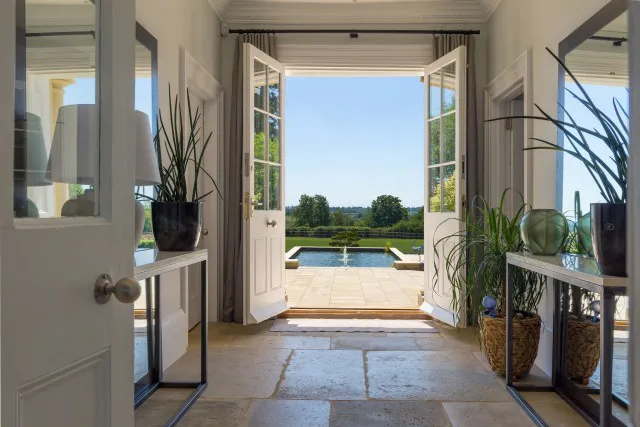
point(489, 302)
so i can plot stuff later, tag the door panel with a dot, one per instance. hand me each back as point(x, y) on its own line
point(263, 186)
point(445, 180)
point(66, 360)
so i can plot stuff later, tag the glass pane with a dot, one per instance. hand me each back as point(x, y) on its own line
point(259, 126)
point(144, 90)
point(274, 140)
point(435, 85)
point(449, 188)
point(274, 188)
point(449, 137)
point(434, 189)
point(434, 142)
point(449, 83)
point(274, 92)
point(260, 85)
point(259, 174)
point(56, 117)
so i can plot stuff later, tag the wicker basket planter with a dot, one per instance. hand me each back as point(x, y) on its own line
point(526, 336)
point(583, 349)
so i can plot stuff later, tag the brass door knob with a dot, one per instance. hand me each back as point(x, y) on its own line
point(126, 290)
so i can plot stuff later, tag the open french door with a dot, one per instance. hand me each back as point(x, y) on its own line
point(445, 185)
point(263, 187)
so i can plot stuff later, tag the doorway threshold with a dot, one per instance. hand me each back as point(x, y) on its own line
point(353, 313)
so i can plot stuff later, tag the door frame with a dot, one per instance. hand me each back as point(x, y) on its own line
point(195, 78)
point(515, 80)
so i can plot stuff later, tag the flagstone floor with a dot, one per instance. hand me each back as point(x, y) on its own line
point(259, 378)
point(327, 287)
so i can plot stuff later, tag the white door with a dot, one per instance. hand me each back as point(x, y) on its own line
point(66, 360)
point(263, 186)
point(445, 185)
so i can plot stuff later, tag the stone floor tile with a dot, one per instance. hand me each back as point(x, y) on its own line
point(388, 414)
point(156, 411)
point(486, 414)
point(278, 341)
point(324, 374)
point(447, 344)
point(372, 343)
point(234, 373)
point(287, 413)
point(430, 375)
point(554, 410)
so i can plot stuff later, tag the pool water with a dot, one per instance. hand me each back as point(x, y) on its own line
point(333, 258)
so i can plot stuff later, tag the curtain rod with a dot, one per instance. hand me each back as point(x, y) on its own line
point(353, 32)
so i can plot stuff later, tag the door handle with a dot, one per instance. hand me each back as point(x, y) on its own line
point(272, 223)
point(126, 290)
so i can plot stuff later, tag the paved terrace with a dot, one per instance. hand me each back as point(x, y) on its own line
point(329, 287)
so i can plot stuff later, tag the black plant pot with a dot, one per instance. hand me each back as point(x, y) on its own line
point(609, 236)
point(176, 225)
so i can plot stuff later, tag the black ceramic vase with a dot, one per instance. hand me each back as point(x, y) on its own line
point(609, 237)
point(176, 225)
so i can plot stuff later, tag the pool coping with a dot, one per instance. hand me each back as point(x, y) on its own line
point(403, 263)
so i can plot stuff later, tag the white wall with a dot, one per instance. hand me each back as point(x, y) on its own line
point(191, 24)
point(515, 26)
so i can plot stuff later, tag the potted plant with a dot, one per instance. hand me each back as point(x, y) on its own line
point(176, 209)
point(609, 171)
point(476, 267)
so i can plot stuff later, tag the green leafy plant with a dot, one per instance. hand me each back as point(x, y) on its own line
point(185, 149)
point(476, 263)
point(345, 238)
point(387, 246)
point(611, 180)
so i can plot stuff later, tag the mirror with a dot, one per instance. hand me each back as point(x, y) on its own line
point(597, 54)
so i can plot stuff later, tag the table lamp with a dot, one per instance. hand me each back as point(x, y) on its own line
point(74, 158)
point(30, 166)
point(147, 172)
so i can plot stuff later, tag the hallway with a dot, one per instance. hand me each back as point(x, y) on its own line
point(259, 378)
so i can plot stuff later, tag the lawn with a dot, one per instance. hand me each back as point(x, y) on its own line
point(404, 245)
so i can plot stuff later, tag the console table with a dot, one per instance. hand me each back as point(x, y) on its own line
point(565, 270)
point(150, 264)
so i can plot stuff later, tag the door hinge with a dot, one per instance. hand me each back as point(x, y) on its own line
point(508, 124)
point(247, 205)
point(464, 167)
point(464, 201)
point(247, 164)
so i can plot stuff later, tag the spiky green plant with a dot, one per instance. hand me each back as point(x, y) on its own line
point(611, 181)
point(476, 263)
point(184, 149)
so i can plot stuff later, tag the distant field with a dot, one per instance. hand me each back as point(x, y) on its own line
point(404, 245)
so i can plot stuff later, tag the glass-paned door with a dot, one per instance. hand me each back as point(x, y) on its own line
point(263, 229)
point(445, 187)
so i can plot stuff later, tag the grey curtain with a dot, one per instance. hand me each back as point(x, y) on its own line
point(233, 307)
point(443, 44)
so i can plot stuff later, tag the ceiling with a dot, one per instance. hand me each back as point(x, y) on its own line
point(341, 12)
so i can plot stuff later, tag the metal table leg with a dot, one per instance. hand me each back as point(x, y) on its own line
point(607, 306)
point(509, 320)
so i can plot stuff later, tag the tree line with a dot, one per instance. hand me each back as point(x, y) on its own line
point(386, 211)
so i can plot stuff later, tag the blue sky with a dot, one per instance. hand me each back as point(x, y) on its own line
point(575, 175)
point(352, 139)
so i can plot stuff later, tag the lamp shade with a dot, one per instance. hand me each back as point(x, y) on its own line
point(74, 156)
point(31, 156)
point(146, 161)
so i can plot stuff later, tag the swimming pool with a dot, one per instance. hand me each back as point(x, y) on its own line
point(334, 257)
